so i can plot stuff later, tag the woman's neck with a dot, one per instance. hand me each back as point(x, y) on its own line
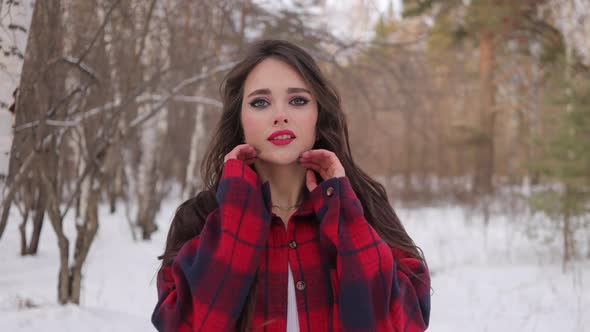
point(286, 182)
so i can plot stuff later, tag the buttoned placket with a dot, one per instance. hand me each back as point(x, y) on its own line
point(293, 263)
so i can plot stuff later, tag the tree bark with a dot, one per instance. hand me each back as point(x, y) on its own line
point(191, 179)
point(85, 237)
point(39, 217)
point(148, 195)
point(409, 150)
point(19, 178)
point(63, 283)
point(485, 153)
point(23, 233)
point(567, 229)
point(149, 189)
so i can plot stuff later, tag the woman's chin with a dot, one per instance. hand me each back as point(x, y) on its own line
point(279, 158)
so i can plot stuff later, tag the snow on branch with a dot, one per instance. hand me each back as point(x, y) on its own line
point(165, 99)
point(572, 17)
point(161, 100)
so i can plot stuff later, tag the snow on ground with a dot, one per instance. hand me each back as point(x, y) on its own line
point(494, 280)
point(6, 120)
point(118, 288)
point(497, 280)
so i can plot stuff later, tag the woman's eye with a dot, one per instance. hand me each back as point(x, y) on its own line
point(259, 103)
point(299, 101)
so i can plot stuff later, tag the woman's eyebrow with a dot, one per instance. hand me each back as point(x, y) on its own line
point(260, 92)
point(267, 91)
point(295, 90)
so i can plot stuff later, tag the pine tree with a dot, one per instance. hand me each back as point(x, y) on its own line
point(566, 159)
point(490, 24)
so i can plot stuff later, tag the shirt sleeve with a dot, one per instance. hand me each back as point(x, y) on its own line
point(377, 288)
point(206, 286)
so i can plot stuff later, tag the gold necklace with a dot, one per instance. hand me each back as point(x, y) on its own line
point(288, 207)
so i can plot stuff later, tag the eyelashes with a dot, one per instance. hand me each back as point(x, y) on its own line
point(302, 101)
point(262, 103)
point(259, 103)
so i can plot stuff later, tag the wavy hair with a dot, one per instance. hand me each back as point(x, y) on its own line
point(332, 132)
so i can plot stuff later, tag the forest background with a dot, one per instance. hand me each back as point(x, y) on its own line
point(474, 115)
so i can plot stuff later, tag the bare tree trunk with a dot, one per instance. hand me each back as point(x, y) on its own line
point(568, 237)
point(85, 236)
point(113, 160)
point(23, 233)
point(19, 178)
point(464, 155)
point(485, 154)
point(568, 230)
point(38, 93)
point(85, 185)
point(63, 283)
point(148, 177)
point(149, 180)
point(38, 219)
point(114, 189)
point(195, 153)
point(409, 150)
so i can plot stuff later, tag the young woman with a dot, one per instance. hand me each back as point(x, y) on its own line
point(289, 235)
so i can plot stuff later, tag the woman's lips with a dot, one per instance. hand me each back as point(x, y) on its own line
point(281, 141)
point(281, 137)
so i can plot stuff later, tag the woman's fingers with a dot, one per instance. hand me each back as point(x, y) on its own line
point(317, 153)
point(324, 158)
point(314, 167)
point(244, 152)
point(247, 153)
point(249, 161)
point(310, 180)
point(322, 161)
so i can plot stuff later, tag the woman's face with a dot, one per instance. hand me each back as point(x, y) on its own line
point(276, 98)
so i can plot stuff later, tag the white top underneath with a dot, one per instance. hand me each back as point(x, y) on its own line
point(292, 317)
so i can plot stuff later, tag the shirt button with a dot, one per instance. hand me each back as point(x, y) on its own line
point(292, 244)
point(330, 191)
point(300, 285)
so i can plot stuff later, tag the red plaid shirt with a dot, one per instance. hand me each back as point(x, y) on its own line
point(347, 278)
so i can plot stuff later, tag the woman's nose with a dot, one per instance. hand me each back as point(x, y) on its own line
point(283, 119)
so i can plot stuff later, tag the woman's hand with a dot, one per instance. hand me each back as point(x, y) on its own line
point(244, 152)
point(322, 161)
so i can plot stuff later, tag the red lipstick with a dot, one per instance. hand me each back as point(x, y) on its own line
point(286, 137)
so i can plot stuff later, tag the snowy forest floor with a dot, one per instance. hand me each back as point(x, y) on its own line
point(493, 278)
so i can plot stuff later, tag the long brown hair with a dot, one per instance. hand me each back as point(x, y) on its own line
point(332, 132)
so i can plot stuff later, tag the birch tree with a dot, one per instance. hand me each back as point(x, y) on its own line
point(43, 47)
point(101, 89)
